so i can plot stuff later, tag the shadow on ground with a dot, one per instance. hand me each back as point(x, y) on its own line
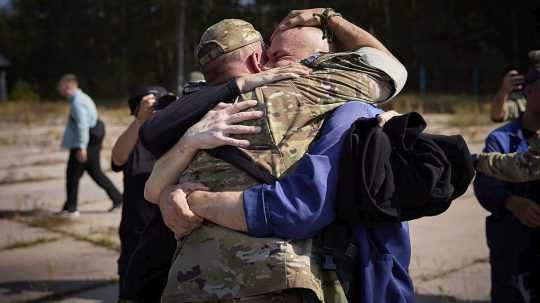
point(53, 289)
point(443, 299)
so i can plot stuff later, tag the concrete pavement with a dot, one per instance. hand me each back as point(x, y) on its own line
point(45, 259)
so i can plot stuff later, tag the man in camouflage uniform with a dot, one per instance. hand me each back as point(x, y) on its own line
point(515, 167)
point(218, 263)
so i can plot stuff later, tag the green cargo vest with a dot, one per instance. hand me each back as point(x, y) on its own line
point(217, 263)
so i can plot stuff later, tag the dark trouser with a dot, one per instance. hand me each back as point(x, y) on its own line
point(75, 170)
point(136, 216)
point(509, 242)
point(146, 274)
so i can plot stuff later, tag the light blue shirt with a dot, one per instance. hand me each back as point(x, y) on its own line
point(82, 116)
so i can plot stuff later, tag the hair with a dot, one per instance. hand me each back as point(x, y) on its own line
point(69, 78)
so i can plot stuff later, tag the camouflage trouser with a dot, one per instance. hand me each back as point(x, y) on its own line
point(287, 296)
point(333, 292)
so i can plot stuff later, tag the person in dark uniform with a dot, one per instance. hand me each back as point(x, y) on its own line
point(136, 163)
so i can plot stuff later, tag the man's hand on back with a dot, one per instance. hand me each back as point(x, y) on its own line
point(386, 116)
point(217, 125)
point(304, 17)
point(175, 210)
point(252, 81)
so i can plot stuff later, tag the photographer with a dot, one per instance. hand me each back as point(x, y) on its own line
point(136, 163)
point(510, 102)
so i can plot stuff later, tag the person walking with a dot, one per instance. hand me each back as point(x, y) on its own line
point(83, 137)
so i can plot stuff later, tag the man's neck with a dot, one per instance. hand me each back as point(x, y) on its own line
point(73, 93)
point(531, 121)
point(233, 72)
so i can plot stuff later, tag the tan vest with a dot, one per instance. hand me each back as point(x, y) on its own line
point(218, 263)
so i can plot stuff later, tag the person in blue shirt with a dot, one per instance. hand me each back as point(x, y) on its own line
point(83, 137)
point(512, 228)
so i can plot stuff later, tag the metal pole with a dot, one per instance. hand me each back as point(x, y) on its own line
point(180, 45)
point(3, 86)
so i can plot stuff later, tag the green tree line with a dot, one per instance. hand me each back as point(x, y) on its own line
point(117, 46)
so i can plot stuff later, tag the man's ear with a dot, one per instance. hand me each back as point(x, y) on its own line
point(254, 63)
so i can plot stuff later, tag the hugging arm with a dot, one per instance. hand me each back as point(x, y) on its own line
point(349, 36)
point(296, 206)
point(212, 131)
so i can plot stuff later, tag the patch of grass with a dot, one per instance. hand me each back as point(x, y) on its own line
point(471, 114)
point(433, 103)
point(12, 179)
point(466, 110)
point(25, 244)
point(104, 240)
point(43, 162)
point(30, 113)
point(50, 222)
point(40, 218)
point(8, 140)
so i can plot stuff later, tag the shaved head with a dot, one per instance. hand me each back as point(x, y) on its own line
point(295, 44)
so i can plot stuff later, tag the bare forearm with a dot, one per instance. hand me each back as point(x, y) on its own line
point(222, 208)
point(125, 143)
point(497, 106)
point(168, 169)
point(352, 37)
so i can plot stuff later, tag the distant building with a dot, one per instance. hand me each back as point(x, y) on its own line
point(4, 64)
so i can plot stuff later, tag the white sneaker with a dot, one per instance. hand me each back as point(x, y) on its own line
point(69, 214)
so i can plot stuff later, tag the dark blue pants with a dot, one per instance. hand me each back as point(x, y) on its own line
point(509, 244)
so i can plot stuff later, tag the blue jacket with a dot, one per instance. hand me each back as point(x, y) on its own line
point(301, 204)
point(492, 193)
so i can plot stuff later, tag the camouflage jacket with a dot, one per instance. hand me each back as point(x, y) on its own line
point(515, 106)
point(513, 167)
point(217, 263)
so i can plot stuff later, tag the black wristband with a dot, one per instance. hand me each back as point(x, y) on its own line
point(233, 88)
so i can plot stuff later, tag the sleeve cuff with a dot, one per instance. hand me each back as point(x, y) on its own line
point(116, 168)
point(382, 61)
point(256, 213)
point(233, 88)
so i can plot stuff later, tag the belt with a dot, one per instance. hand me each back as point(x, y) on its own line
point(279, 297)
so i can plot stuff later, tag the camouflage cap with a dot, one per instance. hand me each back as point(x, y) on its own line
point(224, 37)
point(534, 70)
